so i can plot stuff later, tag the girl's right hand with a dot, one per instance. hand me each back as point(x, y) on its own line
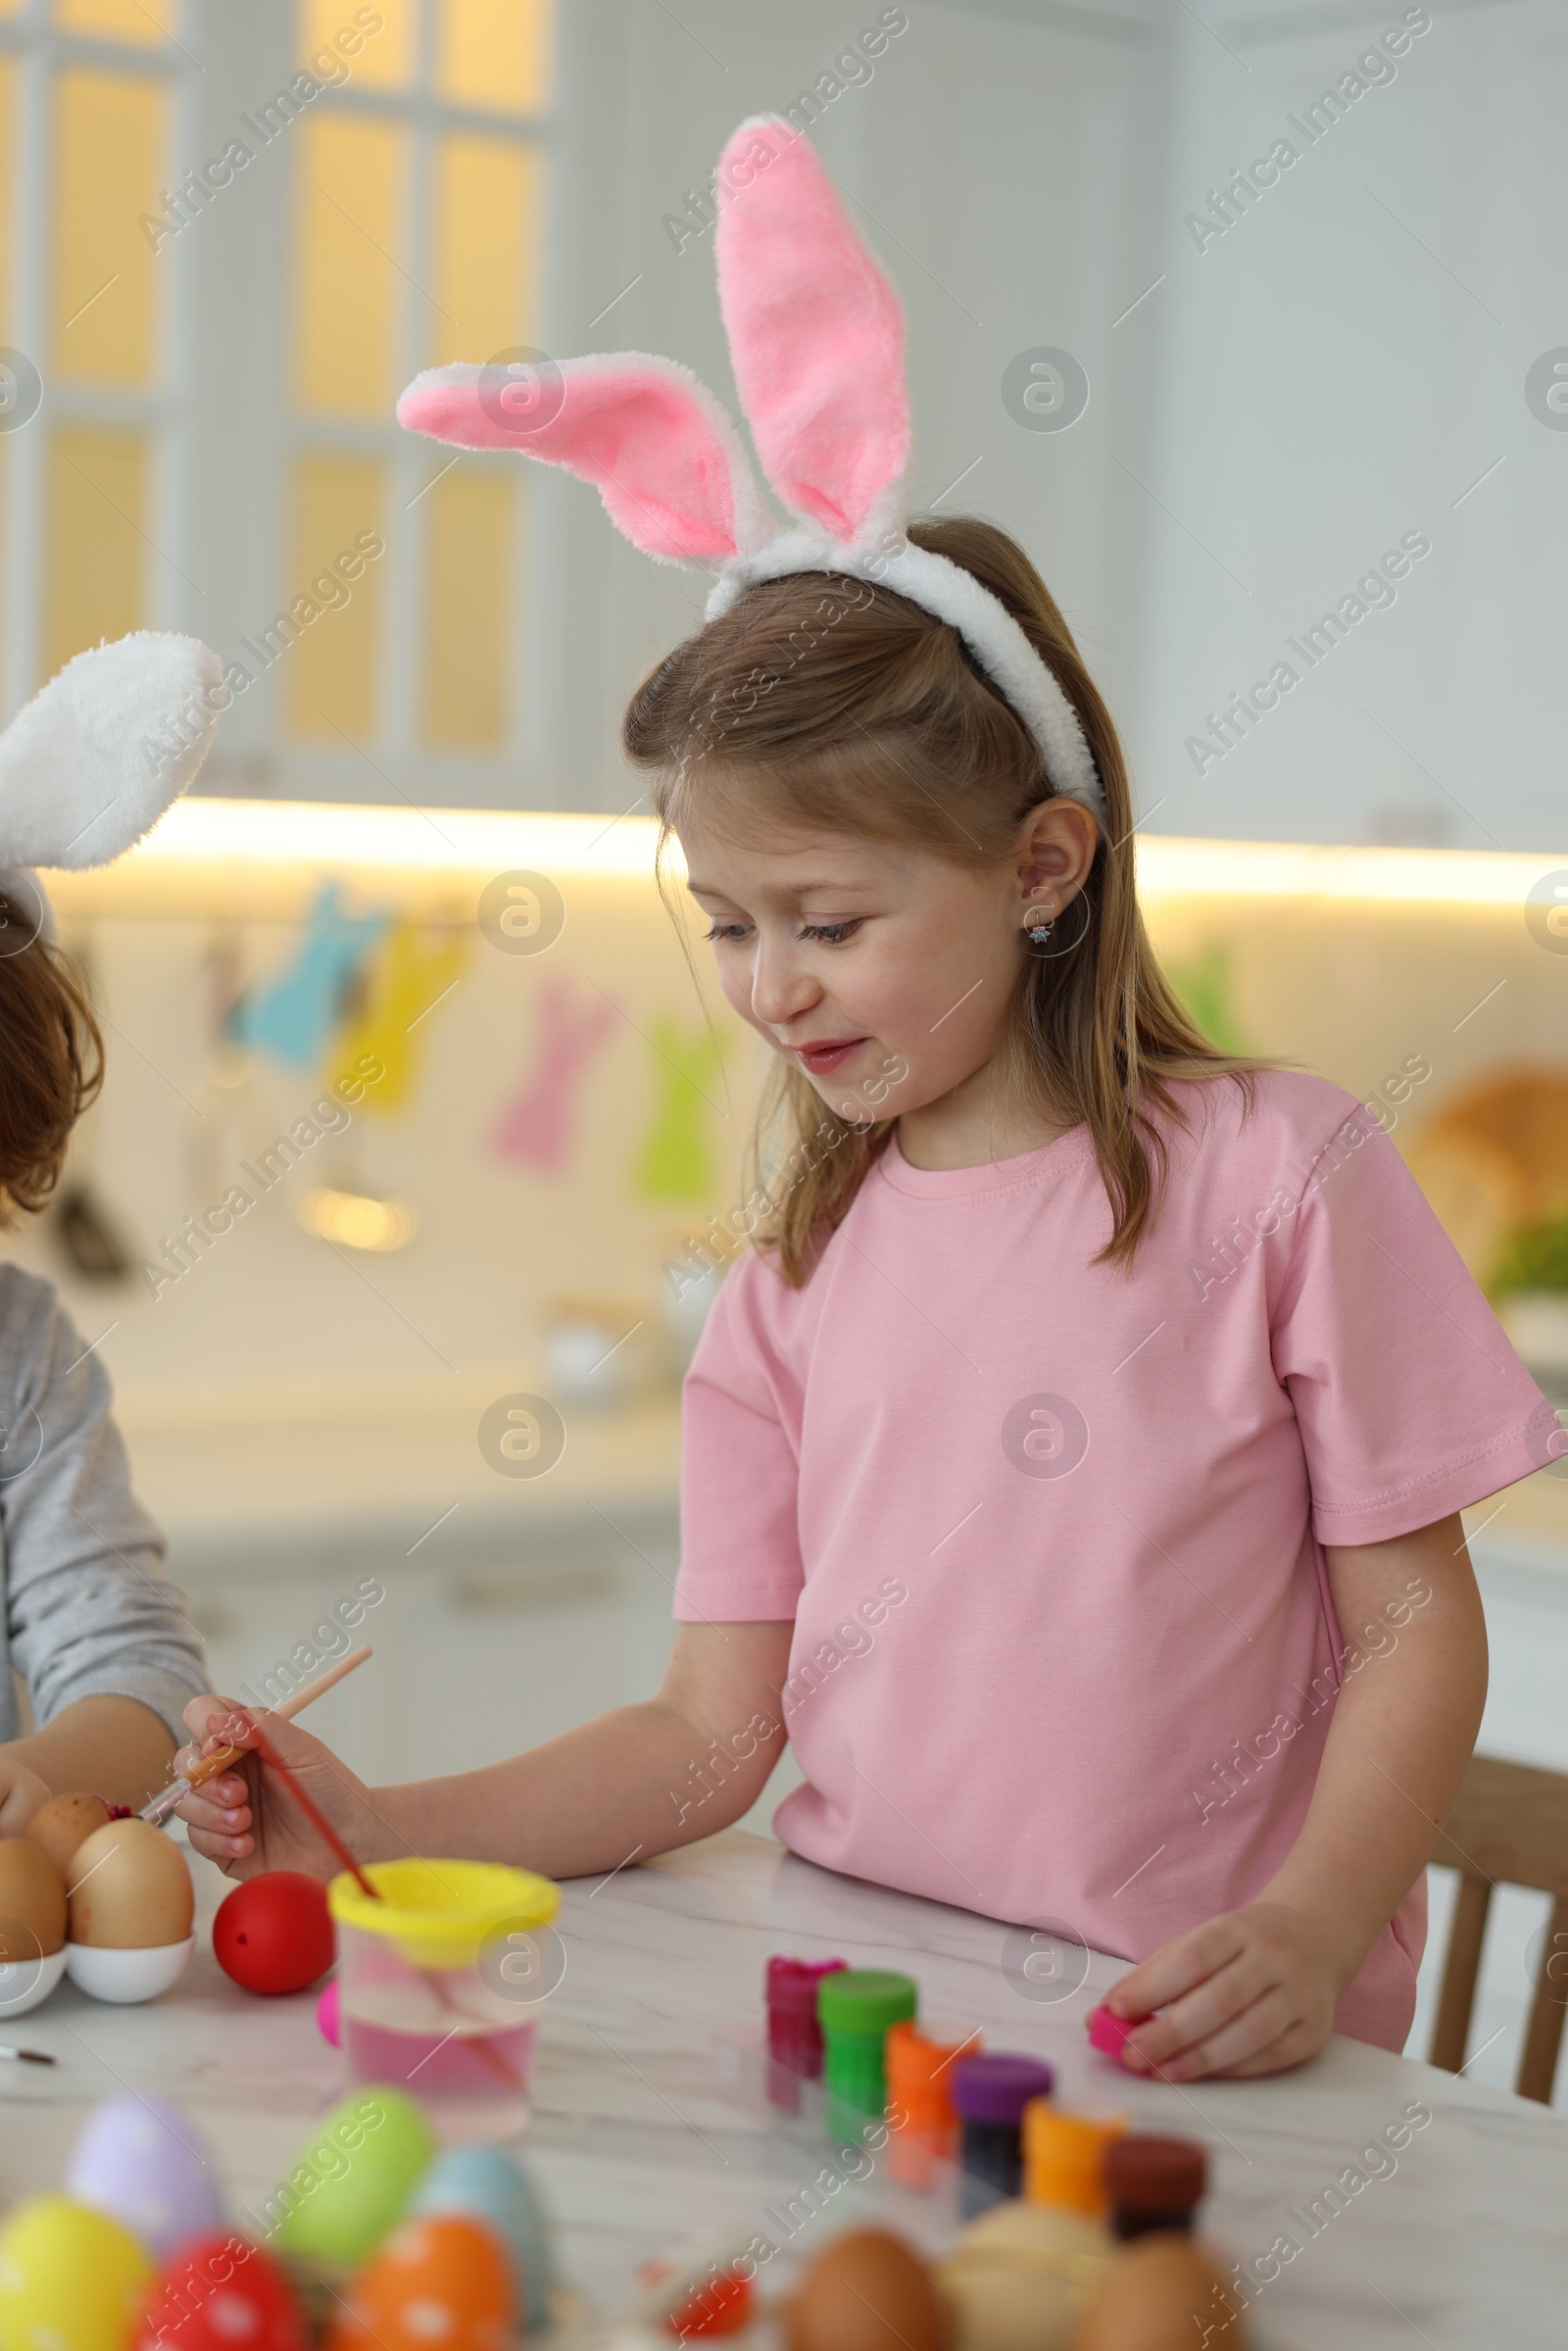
point(247, 1818)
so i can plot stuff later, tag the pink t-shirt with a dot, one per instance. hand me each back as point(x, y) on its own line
point(1052, 1536)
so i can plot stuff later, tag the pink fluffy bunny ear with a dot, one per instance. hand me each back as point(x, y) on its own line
point(668, 462)
point(816, 333)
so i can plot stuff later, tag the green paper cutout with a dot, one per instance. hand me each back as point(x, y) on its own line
point(674, 1166)
point(1206, 987)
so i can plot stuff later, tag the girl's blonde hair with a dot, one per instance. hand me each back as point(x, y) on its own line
point(826, 703)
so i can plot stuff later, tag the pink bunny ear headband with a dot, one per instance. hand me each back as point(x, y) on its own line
point(816, 339)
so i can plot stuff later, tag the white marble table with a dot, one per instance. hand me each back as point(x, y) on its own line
point(1465, 2245)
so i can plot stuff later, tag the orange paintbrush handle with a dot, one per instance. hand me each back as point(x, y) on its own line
point(208, 1767)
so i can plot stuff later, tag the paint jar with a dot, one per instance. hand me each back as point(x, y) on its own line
point(443, 1973)
point(1065, 2158)
point(922, 2119)
point(857, 2008)
point(1153, 2184)
point(793, 2034)
point(990, 2092)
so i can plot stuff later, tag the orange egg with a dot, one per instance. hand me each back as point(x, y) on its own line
point(440, 2283)
point(32, 1901)
point(129, 1889)
point(866, 2290)
point(1160, 2294)
point(64, 1823)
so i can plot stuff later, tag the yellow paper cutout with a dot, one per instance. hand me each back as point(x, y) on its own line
point(404, 982)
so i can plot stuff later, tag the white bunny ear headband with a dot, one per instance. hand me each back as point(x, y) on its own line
point(96, 756)
point(816, 339)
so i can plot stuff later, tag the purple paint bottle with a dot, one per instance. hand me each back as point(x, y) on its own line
point(990, 2092)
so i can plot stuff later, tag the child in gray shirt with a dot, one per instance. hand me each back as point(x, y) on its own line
point(90, 1627)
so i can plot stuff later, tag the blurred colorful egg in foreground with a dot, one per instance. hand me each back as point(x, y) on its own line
point(868, 2290)
point(70, 2279)
point(1161, 2293)
point(720, 2303)
point(145, 2165)
point(353, 2178)
point(444, 2279)
point(273, 1933)
point(484, 2181)
point(222, 2294)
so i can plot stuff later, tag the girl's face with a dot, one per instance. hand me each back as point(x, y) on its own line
point(883, 971)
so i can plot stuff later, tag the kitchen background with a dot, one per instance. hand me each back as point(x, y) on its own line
point(414, 848)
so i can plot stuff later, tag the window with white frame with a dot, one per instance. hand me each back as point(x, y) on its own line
point(228, 234)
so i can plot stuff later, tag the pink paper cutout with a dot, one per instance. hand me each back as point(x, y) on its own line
point(534, 1128)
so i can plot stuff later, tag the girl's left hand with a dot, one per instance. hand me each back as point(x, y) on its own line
point(1249, 1993)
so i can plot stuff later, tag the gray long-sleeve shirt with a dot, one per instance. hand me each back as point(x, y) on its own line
point(88, 1609)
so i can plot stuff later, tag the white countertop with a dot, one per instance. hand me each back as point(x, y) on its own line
point(269, 1474)
point(636, 2148)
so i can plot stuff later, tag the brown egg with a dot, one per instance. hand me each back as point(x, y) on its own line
point(129, 1889)
point(1021, 2276)
point(32, 1901)
point(867, 2291)
point(64, 1823)
point(1161, 2296)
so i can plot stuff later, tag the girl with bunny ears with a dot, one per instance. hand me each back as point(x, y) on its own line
point(90, 1627)
point(1084, 1393)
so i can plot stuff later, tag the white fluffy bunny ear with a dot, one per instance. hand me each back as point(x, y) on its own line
point(668, 462)
point(816, 334)
point(97, 755)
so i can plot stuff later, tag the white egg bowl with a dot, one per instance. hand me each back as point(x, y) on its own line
point(26, 1983)
point(128, 1976)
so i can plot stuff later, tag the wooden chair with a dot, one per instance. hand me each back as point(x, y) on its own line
point(1509, 1824)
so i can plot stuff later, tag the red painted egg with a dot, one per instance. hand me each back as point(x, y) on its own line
point(441, 2279)
point(273, 1933)
point(222, 2294)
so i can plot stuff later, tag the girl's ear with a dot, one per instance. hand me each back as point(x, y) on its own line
point(1055, 847)
point(816, 334)
point(668, 462)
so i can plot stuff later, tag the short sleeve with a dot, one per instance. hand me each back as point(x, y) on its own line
point(1411, 1403)
point(740, 1453)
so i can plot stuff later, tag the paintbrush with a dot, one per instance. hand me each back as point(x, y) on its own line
point(324, 1828)
point(273, 1761)
point(208, 1767)
point(313, 1813)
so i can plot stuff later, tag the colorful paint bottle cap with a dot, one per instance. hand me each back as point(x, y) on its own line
point(921, 2061)
point(1109, 2033)
point(868, 2000)
point(1154, 2174)
point(1064, 2157)
point(996, 2089)
point(791, 1988)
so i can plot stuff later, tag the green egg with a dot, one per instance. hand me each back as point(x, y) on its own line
point(353, 2181)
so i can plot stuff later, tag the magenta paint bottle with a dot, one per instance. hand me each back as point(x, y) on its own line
point(794, 2035)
